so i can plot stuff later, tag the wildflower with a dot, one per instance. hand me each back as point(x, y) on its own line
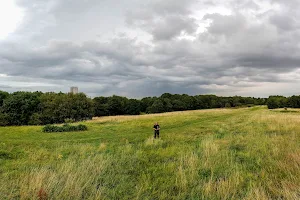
point(60, 156)
point(42, 194)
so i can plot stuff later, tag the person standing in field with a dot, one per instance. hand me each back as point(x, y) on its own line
point(156, 129)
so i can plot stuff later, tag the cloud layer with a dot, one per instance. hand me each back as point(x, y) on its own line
point(136, 49)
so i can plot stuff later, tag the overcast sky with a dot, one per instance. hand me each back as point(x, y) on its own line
point(143, 48)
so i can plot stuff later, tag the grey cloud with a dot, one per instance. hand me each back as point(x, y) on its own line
point(228, 25)
point(65, 43)
point(164, 20)
point(287, 3)
point(173, 26)
point(285, 22)
point(168, 7)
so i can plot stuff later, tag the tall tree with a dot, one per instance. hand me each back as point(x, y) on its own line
point(156, 107)
point(116, 105)
point(133, 107)
point(19, 107)
point(101, 106)
point(3, 95)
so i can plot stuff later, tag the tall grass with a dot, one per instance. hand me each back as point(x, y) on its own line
point(248, 153)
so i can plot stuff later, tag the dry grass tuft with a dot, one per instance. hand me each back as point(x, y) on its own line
point(71, 178)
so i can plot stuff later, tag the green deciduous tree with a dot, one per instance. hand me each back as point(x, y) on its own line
point(156, 107)
point(133, 107)
point(19, 107)
point(116, 105)
point(101, 106)
point(3, 95)
point(55, 108)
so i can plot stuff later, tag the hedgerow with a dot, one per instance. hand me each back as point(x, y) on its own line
point(64, 128)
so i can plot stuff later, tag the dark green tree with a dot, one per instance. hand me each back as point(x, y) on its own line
point(156, 107)
point(101, 106)
point(168, 107)
point(19, 107)
point(146, 103)
point(294, 101)
point(116, 105)
point(178, 105)
point(273, 102)
point(56, 108)
point(133, 107)
point(3, 95)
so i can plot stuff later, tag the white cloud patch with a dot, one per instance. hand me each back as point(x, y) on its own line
point(10, 17)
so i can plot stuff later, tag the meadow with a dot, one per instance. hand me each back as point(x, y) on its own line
point(247, 153)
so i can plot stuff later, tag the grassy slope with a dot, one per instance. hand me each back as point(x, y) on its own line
point(211, 154)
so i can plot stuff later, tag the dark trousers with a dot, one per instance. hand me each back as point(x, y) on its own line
point(156, 134)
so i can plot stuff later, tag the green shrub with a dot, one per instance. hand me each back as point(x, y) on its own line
point(82, 127)
point(64, 128)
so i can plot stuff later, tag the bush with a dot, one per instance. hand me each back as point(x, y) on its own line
point(81, 127)
point(64, 128)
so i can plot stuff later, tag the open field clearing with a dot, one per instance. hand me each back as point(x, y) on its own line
point(250, 153)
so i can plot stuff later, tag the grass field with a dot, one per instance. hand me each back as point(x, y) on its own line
point(250, 153)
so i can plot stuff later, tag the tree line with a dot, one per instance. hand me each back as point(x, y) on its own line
point(274, 102)
point(116, 105)
point(37, 108)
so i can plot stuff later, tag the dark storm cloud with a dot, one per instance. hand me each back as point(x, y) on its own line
point(137, 49)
